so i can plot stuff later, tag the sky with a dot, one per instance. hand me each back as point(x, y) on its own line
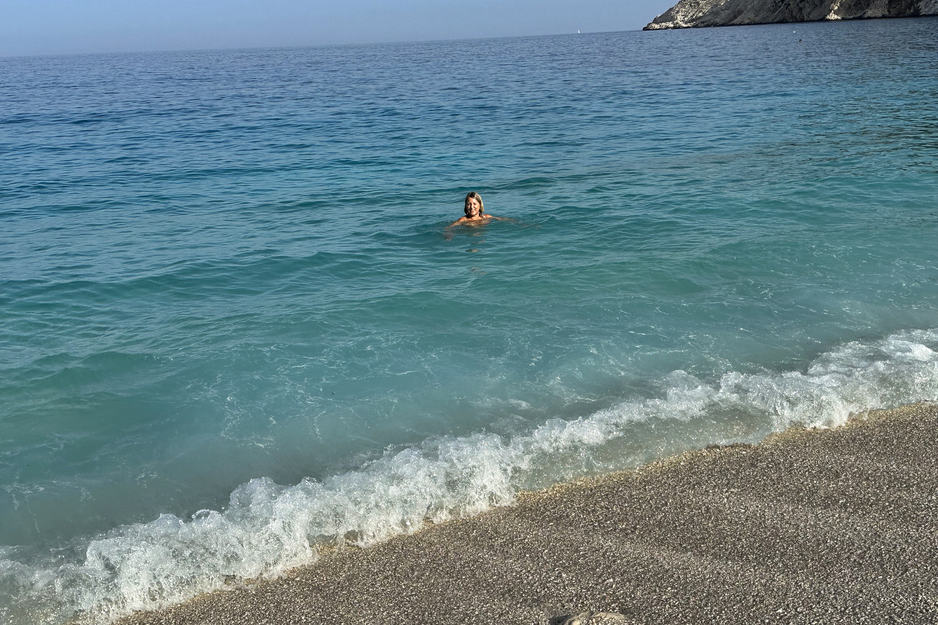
point(41, 27)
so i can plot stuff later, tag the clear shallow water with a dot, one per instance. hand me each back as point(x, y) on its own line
point(233, 324)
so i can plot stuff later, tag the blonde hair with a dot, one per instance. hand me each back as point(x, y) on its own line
point(476, 196)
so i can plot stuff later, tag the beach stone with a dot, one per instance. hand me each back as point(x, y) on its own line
point(597, 618)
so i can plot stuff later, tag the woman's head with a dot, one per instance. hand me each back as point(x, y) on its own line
point(473, 206)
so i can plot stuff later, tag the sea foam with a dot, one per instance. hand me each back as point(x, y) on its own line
point(268, 528)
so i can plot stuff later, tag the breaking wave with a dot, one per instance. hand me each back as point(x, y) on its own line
point(268, 528)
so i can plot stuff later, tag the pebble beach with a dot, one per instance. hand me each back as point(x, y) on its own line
point(809, 526)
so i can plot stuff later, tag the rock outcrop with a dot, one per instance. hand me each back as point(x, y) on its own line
point(698, 13)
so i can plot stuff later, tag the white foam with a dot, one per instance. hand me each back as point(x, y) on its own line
point(268, 528)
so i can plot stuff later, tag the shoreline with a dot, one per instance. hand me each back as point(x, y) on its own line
point(829, 525)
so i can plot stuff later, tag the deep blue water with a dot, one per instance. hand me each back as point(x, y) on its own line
point(234, 324)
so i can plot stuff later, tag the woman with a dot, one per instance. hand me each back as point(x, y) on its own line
point(475, 212)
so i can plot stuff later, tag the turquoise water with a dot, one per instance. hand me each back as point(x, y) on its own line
point(234, 324)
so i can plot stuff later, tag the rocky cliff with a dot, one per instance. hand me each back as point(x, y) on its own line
point(697, 13)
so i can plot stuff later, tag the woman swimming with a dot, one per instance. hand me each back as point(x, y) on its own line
point(475, 212)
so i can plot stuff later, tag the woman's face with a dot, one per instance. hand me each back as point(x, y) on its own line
point(473, 207)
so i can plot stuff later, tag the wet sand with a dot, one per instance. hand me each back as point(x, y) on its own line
point(810, 526)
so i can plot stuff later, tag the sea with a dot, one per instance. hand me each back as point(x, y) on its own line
point(237, 328)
